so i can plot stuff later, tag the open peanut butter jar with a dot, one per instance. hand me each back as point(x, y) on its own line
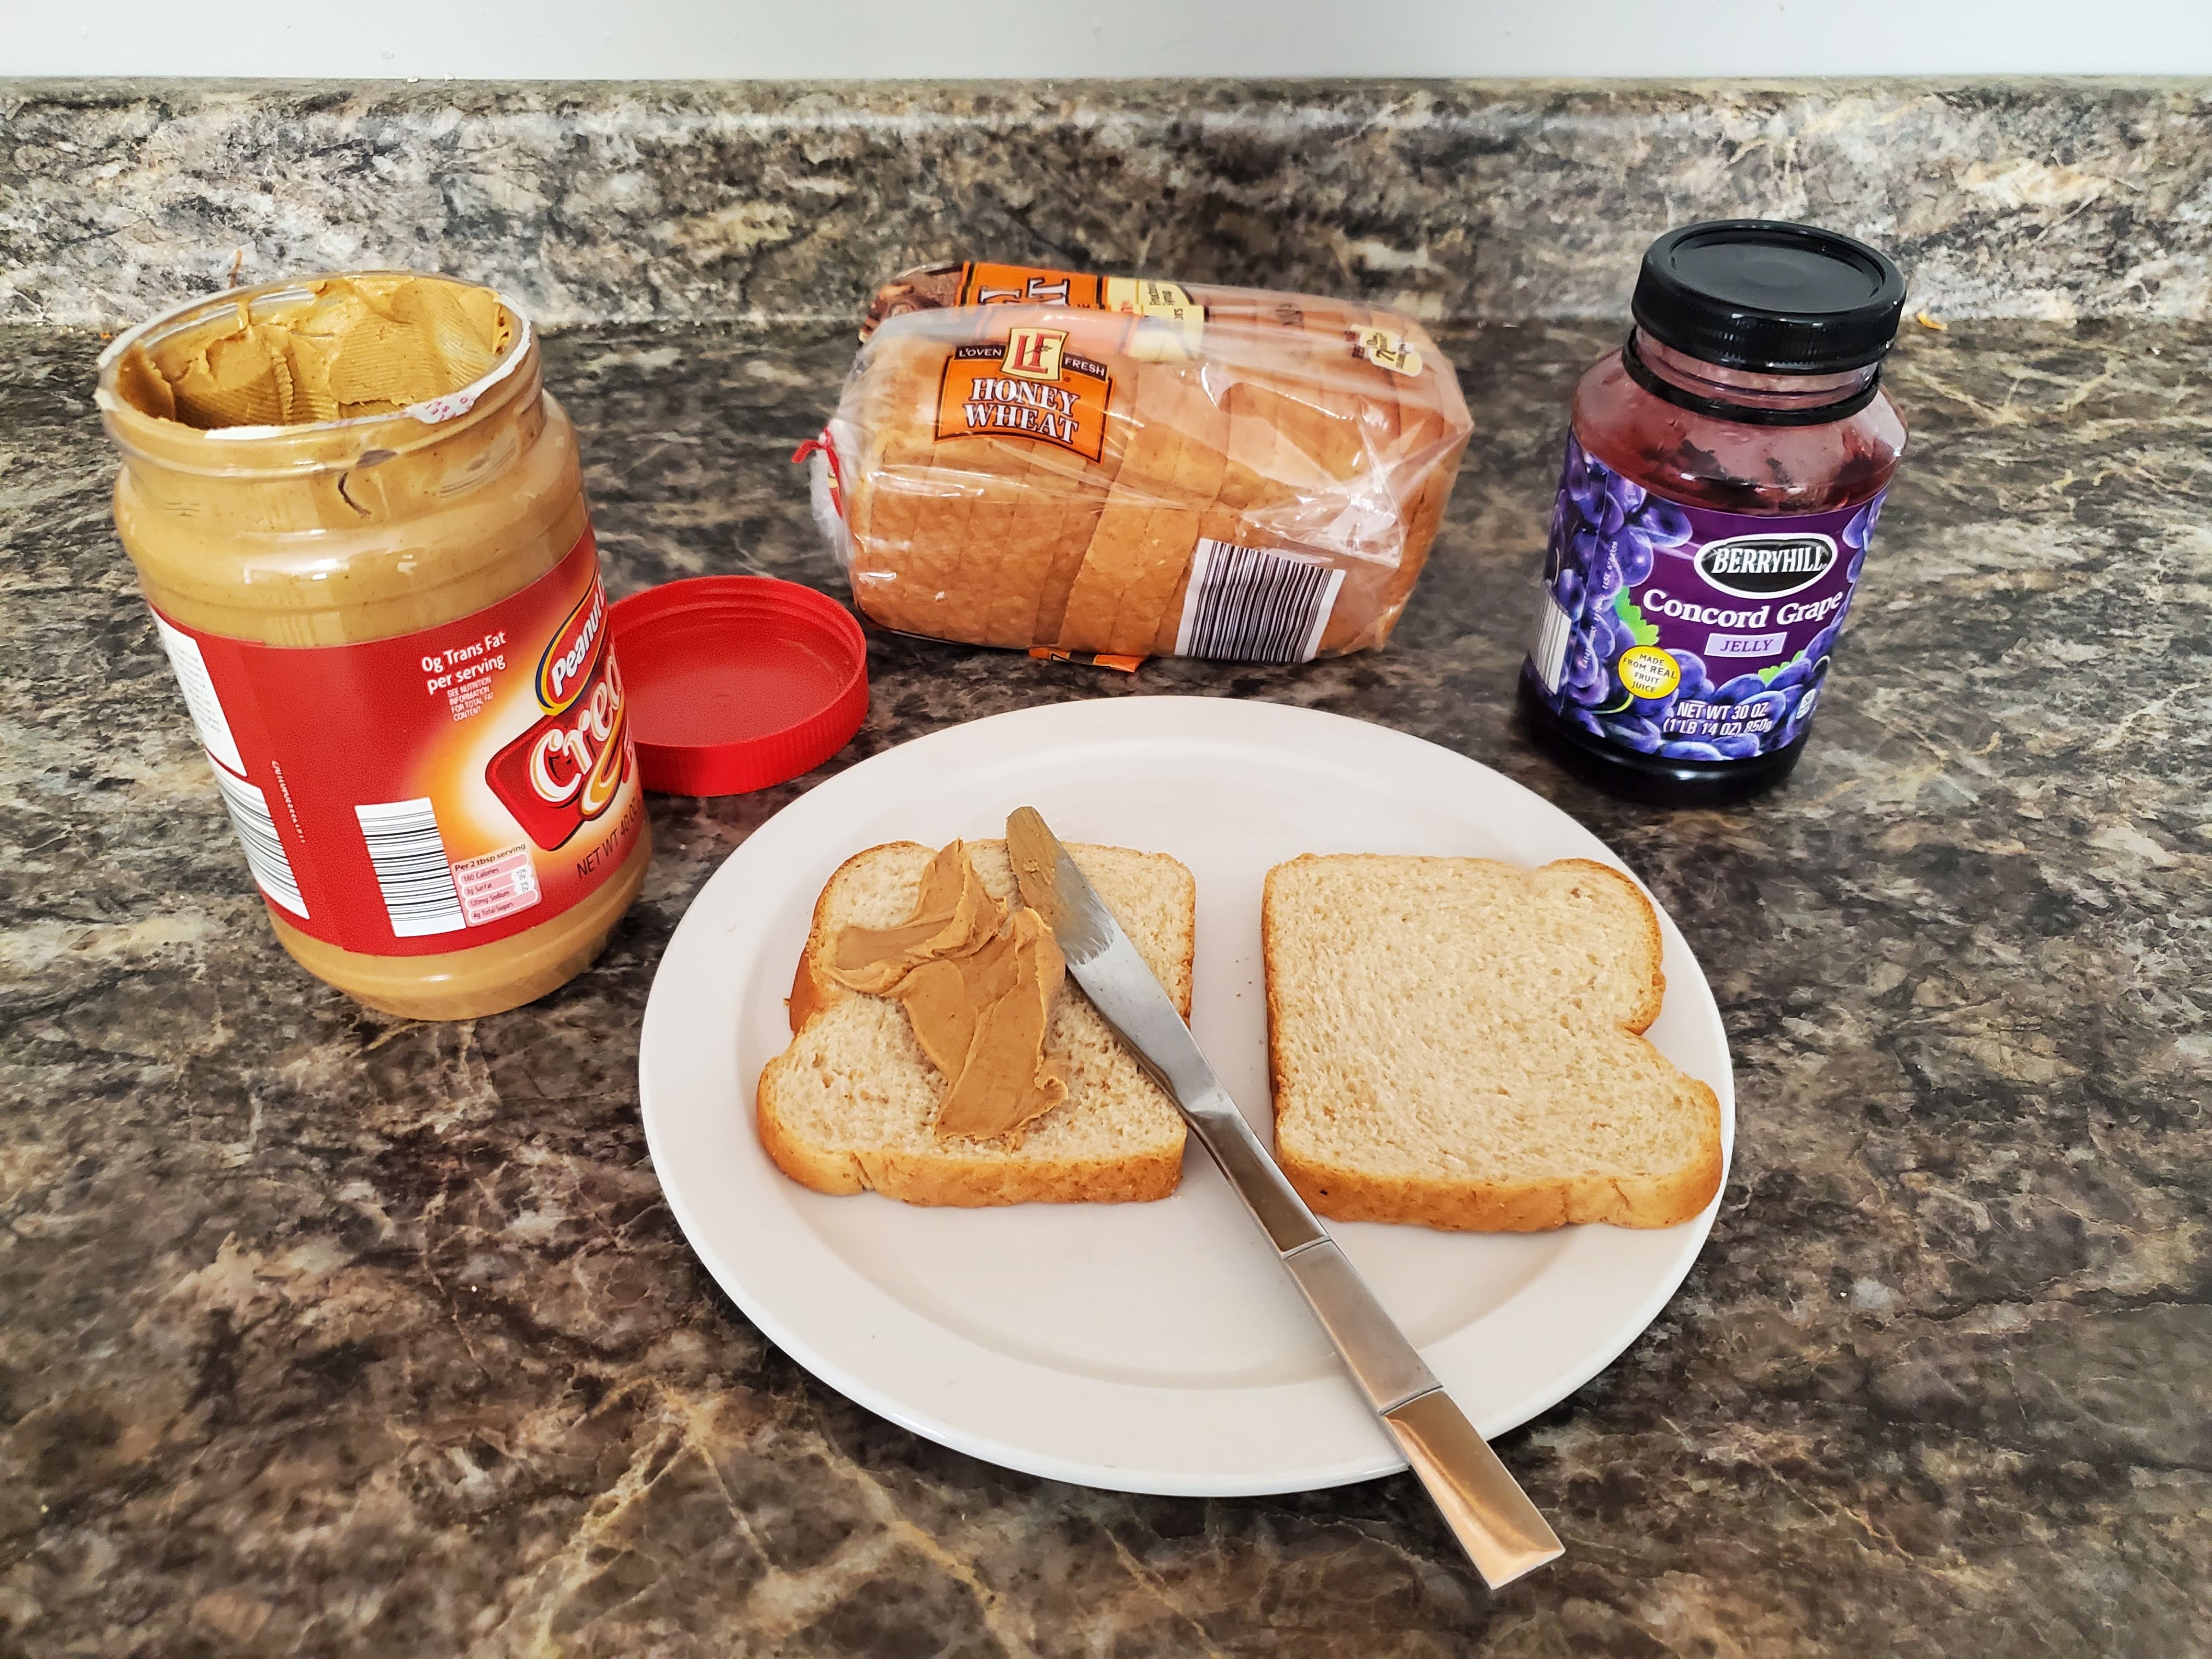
point(361, 524)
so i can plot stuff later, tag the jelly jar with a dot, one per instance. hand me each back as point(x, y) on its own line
point(1724, 471)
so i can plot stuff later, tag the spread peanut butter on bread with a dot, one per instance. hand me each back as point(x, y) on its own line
point(1048, 460)
point(979, 987)
point(928, 1012)
point(954, 916)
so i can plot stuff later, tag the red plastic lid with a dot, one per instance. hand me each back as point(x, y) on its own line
point(736, 682)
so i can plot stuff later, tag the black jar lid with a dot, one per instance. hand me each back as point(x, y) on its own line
point(1769, 296)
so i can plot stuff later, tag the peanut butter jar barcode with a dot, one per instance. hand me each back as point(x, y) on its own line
point(412, 871)
point(257, 833)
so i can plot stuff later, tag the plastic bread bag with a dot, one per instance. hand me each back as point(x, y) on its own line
point(1123, 468)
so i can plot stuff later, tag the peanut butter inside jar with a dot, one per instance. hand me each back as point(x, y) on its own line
point(353, 458)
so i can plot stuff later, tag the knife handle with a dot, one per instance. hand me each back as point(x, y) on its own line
point(1502, 1533)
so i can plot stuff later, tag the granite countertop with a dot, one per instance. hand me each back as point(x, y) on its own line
point(1491, 201)
point(330, 1333)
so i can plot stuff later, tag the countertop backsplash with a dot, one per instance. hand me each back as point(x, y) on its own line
point(1458, 202)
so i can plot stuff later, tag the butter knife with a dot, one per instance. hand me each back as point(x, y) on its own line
point(1501, 1530)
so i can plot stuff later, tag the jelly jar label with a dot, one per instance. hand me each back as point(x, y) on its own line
point(1680, 631)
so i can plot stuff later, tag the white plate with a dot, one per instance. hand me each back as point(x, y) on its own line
point(1145, 1347)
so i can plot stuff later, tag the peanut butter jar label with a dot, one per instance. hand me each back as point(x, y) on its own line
point(1028, 385)
point(434, 790)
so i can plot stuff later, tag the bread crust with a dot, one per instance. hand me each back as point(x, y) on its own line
point(949, 1178)
point(1142, 544)
point(1344, 1194)
point(1514, 1207)
point(811, 990)
point(948, 1175)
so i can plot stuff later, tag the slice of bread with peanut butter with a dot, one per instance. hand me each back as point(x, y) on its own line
point(916, 953)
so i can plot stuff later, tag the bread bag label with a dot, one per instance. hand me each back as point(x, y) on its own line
point(433, 791)
point(1028, 385)
point(1172, 323)
point(1386, 350)
point(1256, 603)
point(982, 285)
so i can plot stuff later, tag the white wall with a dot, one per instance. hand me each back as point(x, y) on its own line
point(826, 38)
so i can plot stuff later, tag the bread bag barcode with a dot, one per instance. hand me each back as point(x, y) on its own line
point(1256, 603)
point(257, 833)
point(412, 873)
point(1547, 646)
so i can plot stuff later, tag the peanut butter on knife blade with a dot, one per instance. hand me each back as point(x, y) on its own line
point(979, 987)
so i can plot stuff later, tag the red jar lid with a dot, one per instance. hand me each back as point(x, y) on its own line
point(736, 682)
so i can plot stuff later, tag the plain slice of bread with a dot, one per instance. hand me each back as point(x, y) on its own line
point(848, 1106)
point(1456, 1043)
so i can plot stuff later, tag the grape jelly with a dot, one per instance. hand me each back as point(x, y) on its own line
point(1725, 470)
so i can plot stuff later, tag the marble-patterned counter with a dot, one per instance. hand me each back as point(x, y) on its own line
point(1457, 201)
point(328, 1334)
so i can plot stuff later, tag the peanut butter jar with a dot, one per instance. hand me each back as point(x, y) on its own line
point(360, 521)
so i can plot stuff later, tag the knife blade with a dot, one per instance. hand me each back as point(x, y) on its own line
point(1502, 1532)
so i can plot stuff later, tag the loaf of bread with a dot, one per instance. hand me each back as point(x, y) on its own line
point(1458, 1042)
point(1220, 472)
point(848, 1107)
